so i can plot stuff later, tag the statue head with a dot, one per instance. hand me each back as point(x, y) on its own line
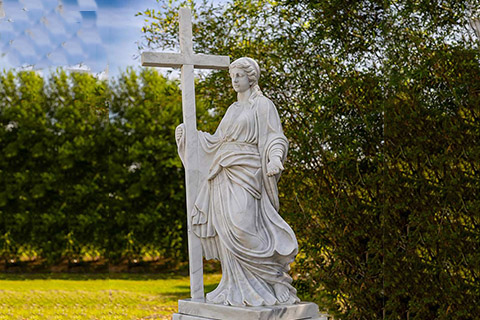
point(252, 71)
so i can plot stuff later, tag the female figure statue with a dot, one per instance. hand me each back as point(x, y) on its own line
point(236, 210)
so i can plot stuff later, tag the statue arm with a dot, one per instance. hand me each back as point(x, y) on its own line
point(278, 145)
point(277, 151)
point(275, 159)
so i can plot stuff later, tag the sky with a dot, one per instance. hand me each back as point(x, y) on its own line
point(76, 34)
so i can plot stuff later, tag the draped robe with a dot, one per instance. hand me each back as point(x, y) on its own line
point(236, 210)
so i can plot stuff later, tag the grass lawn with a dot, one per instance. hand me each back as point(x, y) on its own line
point(114, 296)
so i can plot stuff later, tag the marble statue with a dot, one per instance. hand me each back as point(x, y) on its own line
point(235, 212)
point(232, 198)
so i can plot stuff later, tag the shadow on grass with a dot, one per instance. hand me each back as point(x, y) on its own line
point(90, 276)
point(185, 292)
point(208, 287)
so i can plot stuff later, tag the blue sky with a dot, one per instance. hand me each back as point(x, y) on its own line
point(45, 34)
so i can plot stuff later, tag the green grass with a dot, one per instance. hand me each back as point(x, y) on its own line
point(117, 296)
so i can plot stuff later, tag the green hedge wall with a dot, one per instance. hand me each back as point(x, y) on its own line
point(146, 177)
point(89, 171)
point(53, 178)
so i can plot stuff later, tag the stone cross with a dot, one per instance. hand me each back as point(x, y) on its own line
point(187, 60)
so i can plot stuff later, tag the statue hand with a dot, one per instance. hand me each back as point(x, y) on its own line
point(274, 166)
point(180, 132)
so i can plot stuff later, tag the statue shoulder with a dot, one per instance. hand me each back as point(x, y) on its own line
point(230, 108)
point(265, 105)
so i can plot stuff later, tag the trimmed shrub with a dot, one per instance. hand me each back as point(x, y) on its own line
point(78, 186)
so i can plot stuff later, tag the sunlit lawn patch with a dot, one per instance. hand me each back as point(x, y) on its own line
point(66, 296)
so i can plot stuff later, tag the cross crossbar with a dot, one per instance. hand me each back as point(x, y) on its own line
point(177, 60)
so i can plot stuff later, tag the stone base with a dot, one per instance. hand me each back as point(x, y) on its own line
point(189, 309)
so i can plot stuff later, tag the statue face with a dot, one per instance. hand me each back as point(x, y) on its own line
point(240, 81)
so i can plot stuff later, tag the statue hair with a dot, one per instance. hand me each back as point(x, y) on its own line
point(252, 70)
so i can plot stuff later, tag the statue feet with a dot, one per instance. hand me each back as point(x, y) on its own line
point(281, 292)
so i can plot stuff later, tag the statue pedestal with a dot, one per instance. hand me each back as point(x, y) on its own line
point(189, 309)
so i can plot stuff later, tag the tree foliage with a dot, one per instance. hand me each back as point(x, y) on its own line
point(380, 101)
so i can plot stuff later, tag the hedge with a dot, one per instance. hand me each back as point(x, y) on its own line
point(88, 170)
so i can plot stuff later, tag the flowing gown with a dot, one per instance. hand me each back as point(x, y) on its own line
point(236, 211)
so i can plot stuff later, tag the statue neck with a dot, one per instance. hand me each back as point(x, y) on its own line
point(244, 96)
